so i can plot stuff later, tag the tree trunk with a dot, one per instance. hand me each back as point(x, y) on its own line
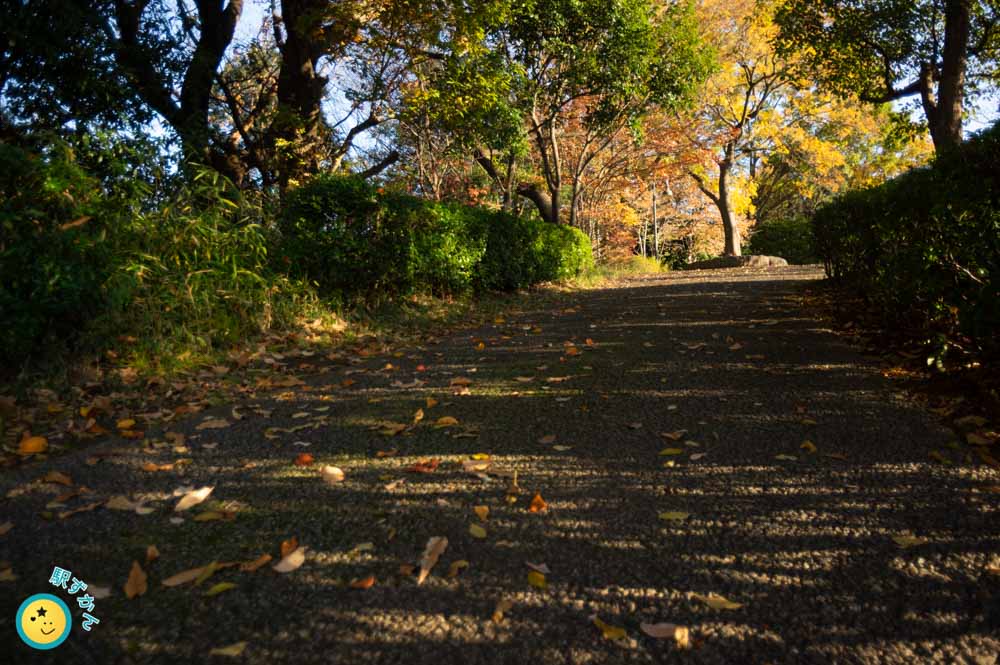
point(947, 130)
point(547, 207)
point(730, 224)
point(300, 88)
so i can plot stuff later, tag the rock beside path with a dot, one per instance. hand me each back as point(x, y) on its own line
point(738, 262)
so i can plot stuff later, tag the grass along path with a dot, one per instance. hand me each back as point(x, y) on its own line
point(663, 423)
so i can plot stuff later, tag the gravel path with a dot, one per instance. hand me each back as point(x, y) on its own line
point(803, 543)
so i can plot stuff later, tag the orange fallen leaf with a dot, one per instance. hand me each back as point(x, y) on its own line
point(33, 445)
point(482, 512)
point(431, 402)
point(446, 421)
point(538, 504)
point(289, 546)
point(152, 553)
point(364, 583)
point(126, 423)
point(253, 566)
point(136, 585)
point(424, 466)
point(304, 459)
point(386, 453)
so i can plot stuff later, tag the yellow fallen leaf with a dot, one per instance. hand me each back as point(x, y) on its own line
point(136, 584)
point(436, 546)
point(126, 423)
point(717, 602)
point(672, 451)
point(214, 423)
point(537, 580)
point(232, 650)
point(674, 516)
point(332, 475)
point(808, 446)
point(482, 512)
point(905, 541)
point(608, 631)
point(446, 421)
point(418, 415)
point(216, 589)
point(192, 498)
point(786, 458)
point(477, 531)
point(209, 516)
point(456, 567)
point(503, 605)
point(33, 445)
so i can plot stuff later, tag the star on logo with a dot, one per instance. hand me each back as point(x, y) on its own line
point(42, 611)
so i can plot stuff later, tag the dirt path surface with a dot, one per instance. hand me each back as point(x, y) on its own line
point(575, 396)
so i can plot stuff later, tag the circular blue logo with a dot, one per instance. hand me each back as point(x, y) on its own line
point(43, 621)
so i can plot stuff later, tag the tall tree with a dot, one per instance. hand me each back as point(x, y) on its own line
point(895, 49)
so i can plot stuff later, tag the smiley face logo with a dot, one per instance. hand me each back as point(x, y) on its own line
point(43, 621)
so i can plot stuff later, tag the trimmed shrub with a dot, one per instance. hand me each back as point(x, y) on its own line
point(791, 239)
point(924, 248)
point(355, 243)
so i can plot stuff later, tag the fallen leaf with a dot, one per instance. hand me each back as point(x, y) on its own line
point(7, 575)
point(152, 553)
point(430, 402)
point(674, 516)
point(608, 631)
point(216, 589)
point(59, 478)
point(717, 602)
point(436, 546)
point(418, 415)
point(289, 546)
point(538, 505)
point(292, 561)
point(192, 498)
point(696, 457)
point(332, 475)
point(126, 423)
point(446, 421)
point(363, 583)
point(136, 584)
point(256, 564)
point(424, 466)
point(545, 440)
point(634, 425)
point(232, 650)
point(540, 567)
point(672, 451)
point(99, 592)
point(184, 577)
point(667, 631)
point(482, 512)
point(786, 458)
point(537, 579)
point(970, 422)
point(502, 606)
point(5, 528)
point(33, 445)
point(808, 446)
point(562, 449)
point(215, 423)
point(304, 459)
point(477, 531)
point(457, 567)
point(906, 541)
point(460, 381)
point(153, 467)
point(475, 465)
point(82, 509)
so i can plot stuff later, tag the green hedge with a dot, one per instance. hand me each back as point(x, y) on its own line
point(924, 248)
point(791, 239)
point(354, 242)
point(53, 260)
